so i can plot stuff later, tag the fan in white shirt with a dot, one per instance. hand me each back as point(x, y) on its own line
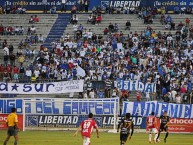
point(90, 34)
point(37, 73)
point(92, 94)
point(75, 27)
point(28, 72)
point(6, 50)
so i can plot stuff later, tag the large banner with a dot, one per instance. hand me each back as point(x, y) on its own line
point(73, 121)
point(146, 108)
point(176, 125)
point(136, 86)
point(3, 118)
point(42, 88)
point(37, 4)
point(170, 4)
point(61, 106)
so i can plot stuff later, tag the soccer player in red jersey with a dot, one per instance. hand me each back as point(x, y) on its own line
point(151, 124)
point(86, 128)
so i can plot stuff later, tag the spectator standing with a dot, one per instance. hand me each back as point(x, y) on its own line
point(6, 50)
point(10, 48)
point(167, 97)
point(86, 5)
point(63, 7)
point(28, 74)
point(92, 94)
point(1, 10)
point(12, 59)
point(44, 3)
point(21, 71)
point(81, 5)
point(187, 22)
point(178, 99)
point(74, 9)
point(183, 10)
point(85, 96)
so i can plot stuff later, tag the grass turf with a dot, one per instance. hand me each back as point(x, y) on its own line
point(66, 138)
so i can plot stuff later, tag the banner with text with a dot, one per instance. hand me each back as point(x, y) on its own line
point(120, 3)
point(42, 88)
point(61, 106)
point(73, 121)
point(177, 125)
point(136, 86)
point(3, 118)
point(146, 108)
point(170, 4)
point(37, 5)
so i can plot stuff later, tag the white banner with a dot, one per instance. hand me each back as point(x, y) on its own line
point(42, 88)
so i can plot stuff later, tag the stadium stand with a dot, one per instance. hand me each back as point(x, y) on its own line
point(149, 52)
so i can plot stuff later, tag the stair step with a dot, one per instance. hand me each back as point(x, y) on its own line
point(57, 29)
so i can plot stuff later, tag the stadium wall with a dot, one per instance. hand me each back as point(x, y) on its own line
point(36, 5)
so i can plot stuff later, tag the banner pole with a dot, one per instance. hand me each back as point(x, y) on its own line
point(23, 114)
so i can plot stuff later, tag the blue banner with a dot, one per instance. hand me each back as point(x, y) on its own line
point(61, 106)
point(37, 4)
point(73, 121)
point(136, 86)
point(170, 4)
point(146, 108)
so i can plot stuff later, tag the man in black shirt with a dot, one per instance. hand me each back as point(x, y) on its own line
point(128, 25)
point(164, 125)
point(12, 59)
point(125, 125)
point(111, 28)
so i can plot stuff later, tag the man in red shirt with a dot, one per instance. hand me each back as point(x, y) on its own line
point(1, 29)
point(151, 125)
point(187, 22)
point(36, 19)
point(2, 69)
point(15, 70)
point(9, 70)
point(86, 128)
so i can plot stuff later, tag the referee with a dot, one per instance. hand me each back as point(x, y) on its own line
point(12, 124)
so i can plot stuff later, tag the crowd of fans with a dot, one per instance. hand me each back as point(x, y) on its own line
point(163, 58)
point(13, 68)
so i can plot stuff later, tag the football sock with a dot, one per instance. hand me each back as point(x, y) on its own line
point(15, 143)
point(158, 135)
point(150, 135)
point(166, 135)
point(5, 142)
point(155, 138)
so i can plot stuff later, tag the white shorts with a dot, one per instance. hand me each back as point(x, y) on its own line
point(86, 140)
point(152, 130)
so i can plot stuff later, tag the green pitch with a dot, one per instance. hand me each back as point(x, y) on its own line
point(66, 138)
